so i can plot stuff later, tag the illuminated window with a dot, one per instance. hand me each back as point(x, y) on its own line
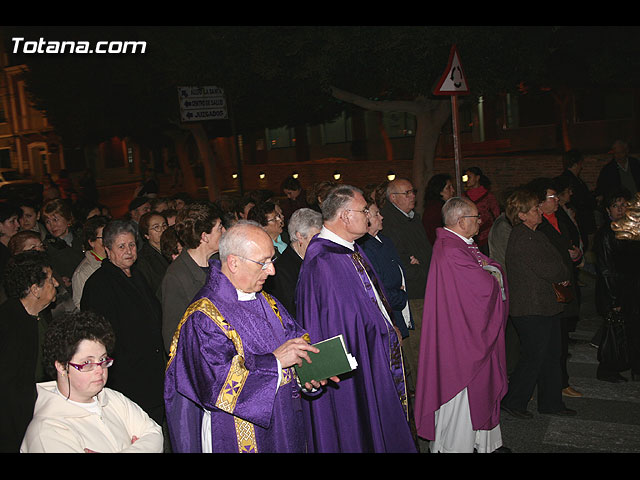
point(282, 137)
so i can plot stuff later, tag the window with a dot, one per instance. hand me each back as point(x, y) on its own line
point(528, 110)
point(282, 137)
point(599, 105)
point(399, 124)
point(337, 131)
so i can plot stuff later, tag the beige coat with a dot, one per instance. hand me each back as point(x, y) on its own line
point(59, 426)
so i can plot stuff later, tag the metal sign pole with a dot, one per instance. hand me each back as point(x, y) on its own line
point(456, 142)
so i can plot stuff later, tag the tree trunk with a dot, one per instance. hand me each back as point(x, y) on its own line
point(208, 159)
point(430, 117)
point(180, 139)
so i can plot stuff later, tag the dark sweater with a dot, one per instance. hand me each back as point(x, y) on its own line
point(533, 265)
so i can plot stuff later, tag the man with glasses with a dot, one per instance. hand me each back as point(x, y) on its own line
point(338, 293)
point(404, 226)
point(462, 370)
point(230, 383)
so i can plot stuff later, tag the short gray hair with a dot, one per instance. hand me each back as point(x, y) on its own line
point(337, 198)
point(303, 220)
point(454, 209)
point(115, 228)
point(234, 240)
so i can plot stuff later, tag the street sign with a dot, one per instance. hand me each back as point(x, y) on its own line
point(453, 81)
point(202, 103)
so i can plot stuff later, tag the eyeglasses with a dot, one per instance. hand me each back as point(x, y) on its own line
point(159, 228)
point(552, 196)
point(408, 192)
point(91, 366)
point(471, 216)
point(278, 216)
point(264, 265)
point(364, 210)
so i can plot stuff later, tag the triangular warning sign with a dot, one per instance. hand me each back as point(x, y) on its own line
point(453, 81)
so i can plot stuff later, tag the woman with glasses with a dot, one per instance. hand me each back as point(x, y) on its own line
point(270, 217)
point(557, 229)
point(76, 413)
point(151, 263)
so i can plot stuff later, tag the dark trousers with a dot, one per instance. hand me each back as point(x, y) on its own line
point(539, 364)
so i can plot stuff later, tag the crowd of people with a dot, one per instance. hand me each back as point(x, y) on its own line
point(198, 313)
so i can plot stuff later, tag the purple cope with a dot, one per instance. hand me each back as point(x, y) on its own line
point(462, 340)
point(367, 410)
point(221, 361)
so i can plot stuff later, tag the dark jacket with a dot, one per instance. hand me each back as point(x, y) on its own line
point(182, 280)
point(583, 203)
point(608, 258)
point(135, 314)
point(410, 239)
point(385, 261)
point(533, 264)
point(64, 258)
point(19, 357)
point(609, 177)
point(282, 285)
point(562, 241)
point(152, 265)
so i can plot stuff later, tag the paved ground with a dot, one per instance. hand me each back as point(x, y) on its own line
point(608, 419)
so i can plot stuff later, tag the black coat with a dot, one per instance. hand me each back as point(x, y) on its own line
point(282, 285)
point(152, 265)
point(609, 178)
point(562, 242)
point(135, 314)
point(19, 356)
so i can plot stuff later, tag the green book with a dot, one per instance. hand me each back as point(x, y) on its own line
point(332, 360)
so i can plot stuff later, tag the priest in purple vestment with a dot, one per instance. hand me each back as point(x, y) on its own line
point(230, 385)
point(337, 294)
point(462, 368)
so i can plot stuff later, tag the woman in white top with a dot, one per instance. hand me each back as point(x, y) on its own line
point(76, 412)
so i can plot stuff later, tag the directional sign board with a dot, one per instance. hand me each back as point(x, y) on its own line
point(202, 103)
point(453, 81)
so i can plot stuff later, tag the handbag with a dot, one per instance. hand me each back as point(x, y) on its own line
point(564, 293)
point(613, 352)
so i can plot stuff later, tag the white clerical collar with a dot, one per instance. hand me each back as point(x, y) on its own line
point(245, 296)
point(469, 241)
point(408, 215)
point(329, 235)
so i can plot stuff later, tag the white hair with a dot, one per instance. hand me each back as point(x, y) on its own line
point(234, 240)
point(303, 220)
point(454, 209)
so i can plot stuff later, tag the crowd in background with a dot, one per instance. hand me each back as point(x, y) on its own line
point(68, 266)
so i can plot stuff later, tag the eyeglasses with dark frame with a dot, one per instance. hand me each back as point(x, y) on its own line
point(263, 265)
point(90, 366)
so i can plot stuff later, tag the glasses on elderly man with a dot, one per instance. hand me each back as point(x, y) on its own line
point(264, 265)
point(90, 366)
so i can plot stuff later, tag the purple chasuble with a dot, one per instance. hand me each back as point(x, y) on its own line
point(462, 339)
point(221, 361)
point(366, 410)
